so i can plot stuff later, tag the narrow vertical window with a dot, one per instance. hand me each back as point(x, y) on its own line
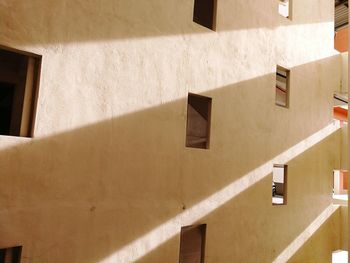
point(10, 255)
point(340, 108)
point(340, 184)
point(279, 184)
point(19, 80)
point(204, 13)
point(282, 87)
point(192, 244)
point(284, 8)
point(198, 121)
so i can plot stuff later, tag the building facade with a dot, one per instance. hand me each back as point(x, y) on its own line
point(105, 174)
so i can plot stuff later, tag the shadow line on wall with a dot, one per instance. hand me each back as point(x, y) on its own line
point(96, 184)
point(44, 22)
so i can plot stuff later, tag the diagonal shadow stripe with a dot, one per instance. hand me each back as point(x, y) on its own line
point(298, 242)
point(159, 235)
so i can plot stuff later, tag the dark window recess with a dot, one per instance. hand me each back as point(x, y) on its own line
point(198, 121)
point(19, 78)
point(10, 255)
point(282, 87)
point(6, 104)
point(192, 244)
point(205, 13)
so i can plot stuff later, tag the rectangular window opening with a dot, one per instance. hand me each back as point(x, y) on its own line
point(279, 184)
point(340, 185)
point(198, 121)
point(340, 256)
point(10, 255)
point(19, 81)
point(204, 13)
point(341, 25)
point(192, 244)
point(284, 8)
point(340, 108)
point(282, 87)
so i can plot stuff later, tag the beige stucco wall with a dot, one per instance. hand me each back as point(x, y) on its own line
point(107, 177)
point(345, 76)
point(344, 228)
point(344, 148)
point(311, 251)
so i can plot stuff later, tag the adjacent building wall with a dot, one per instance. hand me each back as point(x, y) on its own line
point(107, 176)
point(344, 227)
point(344, 86)
point(344, 148)
point(341, 40)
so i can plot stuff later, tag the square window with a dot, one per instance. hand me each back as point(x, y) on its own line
point(284, 8)
point(19, 81)
point(192, 244)
point(282, 87)
point(279, 184)
point(198, 121)
point(10, 255)
point(204, 13)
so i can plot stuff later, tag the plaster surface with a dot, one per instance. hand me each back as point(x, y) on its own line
point(108, 162)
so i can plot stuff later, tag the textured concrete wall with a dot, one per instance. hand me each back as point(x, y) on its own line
point(108, 178)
